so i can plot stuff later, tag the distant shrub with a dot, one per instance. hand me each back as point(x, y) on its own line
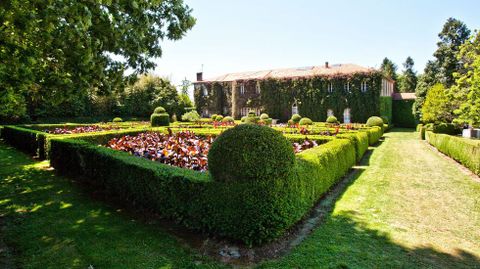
point(191, 116)
point(254, 153)
point(228, 119)
point(219, 118)
point(214, 117)
point(243, 118)
point(296, 118)
point(252, 113)
point(385, 119)
point(264, 116)
point(117, 119)
point(290, 122)
point(253, 120)
point(375, 121)
point(159, 119)
point(306, 121)
point(159, 110)
point(446, 128)
point(332, 119)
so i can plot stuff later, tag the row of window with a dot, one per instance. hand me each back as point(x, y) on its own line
point(346, 87)
point(244, 111)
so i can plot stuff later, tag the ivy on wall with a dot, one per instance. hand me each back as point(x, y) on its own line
point(386, 107)
point(403, 113)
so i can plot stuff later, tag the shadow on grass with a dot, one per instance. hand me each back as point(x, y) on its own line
point(49, 223)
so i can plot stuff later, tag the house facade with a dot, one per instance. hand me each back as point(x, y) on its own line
point(350, 92)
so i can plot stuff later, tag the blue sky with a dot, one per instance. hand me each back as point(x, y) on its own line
point(245, 35)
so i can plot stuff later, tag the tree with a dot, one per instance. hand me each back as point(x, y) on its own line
point(452, 36)
point(437, 107)
point(466, 92)
point(389, 69)
point(430, 77)
point(57, 53)
point(148, 92)
point(185, 86)
point(408, 81)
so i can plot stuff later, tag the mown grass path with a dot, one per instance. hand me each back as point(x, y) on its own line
point(408, 207)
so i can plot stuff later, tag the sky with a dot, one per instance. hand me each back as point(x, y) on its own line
point(246, 35)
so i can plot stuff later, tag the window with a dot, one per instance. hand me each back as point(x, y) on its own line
point(346, 86)
point(346, 115)
point(204, 90)
point(244, 111)
point(330, 87)
point(257, 87)
point(242, 89)
point(364, 86)
point(329, 113)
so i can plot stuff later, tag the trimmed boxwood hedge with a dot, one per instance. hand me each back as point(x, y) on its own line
point(360, 140)
point(28, 140)
point(250, 211)
point(465, 151)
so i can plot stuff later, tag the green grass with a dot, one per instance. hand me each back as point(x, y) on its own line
point(407, 208)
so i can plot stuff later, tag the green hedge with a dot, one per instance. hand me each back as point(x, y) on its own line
point(374, 133)
point(253, 212)
point(28, 140)
point(360, 140)
point(465, 151)
point(386, 107)
point(402, 113)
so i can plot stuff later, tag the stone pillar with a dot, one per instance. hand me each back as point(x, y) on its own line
point(235, 111)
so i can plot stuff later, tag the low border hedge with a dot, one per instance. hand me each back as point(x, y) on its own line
point(28, 140)
point(374, 134)
point(463, 150)
point(360, 140)
point(253, 212)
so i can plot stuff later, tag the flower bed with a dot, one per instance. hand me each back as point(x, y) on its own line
point(183, 149)
point(81, 129)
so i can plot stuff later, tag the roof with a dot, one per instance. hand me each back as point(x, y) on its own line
point(309, 71)
point(403, 96)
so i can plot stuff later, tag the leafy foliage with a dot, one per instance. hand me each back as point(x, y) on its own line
point(305, 121)
point(375, 121)
point(117, 119)
point(162, 119)
point(389, 69)
point(402, 113)
point(191, 116)
point(437, 107)
point(56, 55)
point(332, 119)
point(430, 77)
point(296, 118)
point(408, 83)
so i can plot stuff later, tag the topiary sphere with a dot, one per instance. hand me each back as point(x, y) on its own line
point(162, 119)
point(252, 113)
point(159, 110)
point(306, 121)
point(117, 119)
point(228, 119)
point(375, 121)
point(252, 120)
point(332, 119)
point(296, 118)
point(250, 152)
point(213, 117)
point(219, 118)
point(243, 118)
point(264, 116)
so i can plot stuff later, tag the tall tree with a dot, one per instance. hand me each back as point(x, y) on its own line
point(389, 69)
point(430, 77)
point(408, 83)
point(185, 86)
point(466, 92)
point(57, 53)
point(454, 33)
point(437, 107)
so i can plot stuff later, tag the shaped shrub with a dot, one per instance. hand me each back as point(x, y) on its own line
point(296, 118)
point(375, 121)
point(305, 121)
point(191, 116)
point(264, 116)
point(446, 128)
point(250, 152)
point(219, 118)
point(228, 119)
point(332, 119)
point(159, 110)
point(117, 119)
point(162, 119)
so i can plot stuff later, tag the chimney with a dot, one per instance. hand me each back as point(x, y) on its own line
point(326, 64)
point(199, 76)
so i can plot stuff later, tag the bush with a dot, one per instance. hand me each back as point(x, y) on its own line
point(465, 151)
point(446, 128)
point(375, 121)
point(228, 119)
point(159, 110)
point(219, 118)
point(290, 123)
point(254, 153)
point(162, 119)
point(332, 119)
point(374, 133)
point(252, 113)
point(243, 118)
point(402, 113)
point(214, 117)
point(268, 121)
point(251, 120)
point(191, 116)
point(305, 121)
point(360, 140)
point(117, 119)
point(264, 116)
point(384, 119)
point(296, 118)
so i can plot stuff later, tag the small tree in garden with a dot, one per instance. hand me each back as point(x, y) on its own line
point(160, 117)
point(409, 77)
point(437, 107)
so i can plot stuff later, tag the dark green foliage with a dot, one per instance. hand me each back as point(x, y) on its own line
point(402, 113)
point(375, 121)
point(305, 121)
point(296, 118)
point(385, 119)
point(117, 119)
point(386, 107)
point(465, 151)
point(162, 119)
point(254, 153)
point(332, 119)
point(446, 128)
point(252, 113)
point(28, 140)
point(429, 78)
point(251, 119)
point(389, 70)
point(159, 109)
point(228, 119)
point(409, 77)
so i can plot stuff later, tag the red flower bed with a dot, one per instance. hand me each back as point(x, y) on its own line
point(81, 129)
point(183, 149)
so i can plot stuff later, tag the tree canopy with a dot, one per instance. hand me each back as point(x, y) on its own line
point(389, 69)
point(437, 107)
point(408, 83)
point(56, 54)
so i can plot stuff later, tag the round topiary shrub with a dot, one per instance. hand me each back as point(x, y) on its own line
point(250, 152)
point(161, 119)
point(296, 118)
point(191, 116)
point(117, 119)
point(219, 118)
point(243, 118)
point(228, 119)
point(252, 113)
point(264, 116)
point(159, 110)
point(252, 120)
point(375, 121)
point(306, 121)
point(290, 123)
point(332, 119)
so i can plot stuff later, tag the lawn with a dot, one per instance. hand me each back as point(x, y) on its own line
point(407, 208)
